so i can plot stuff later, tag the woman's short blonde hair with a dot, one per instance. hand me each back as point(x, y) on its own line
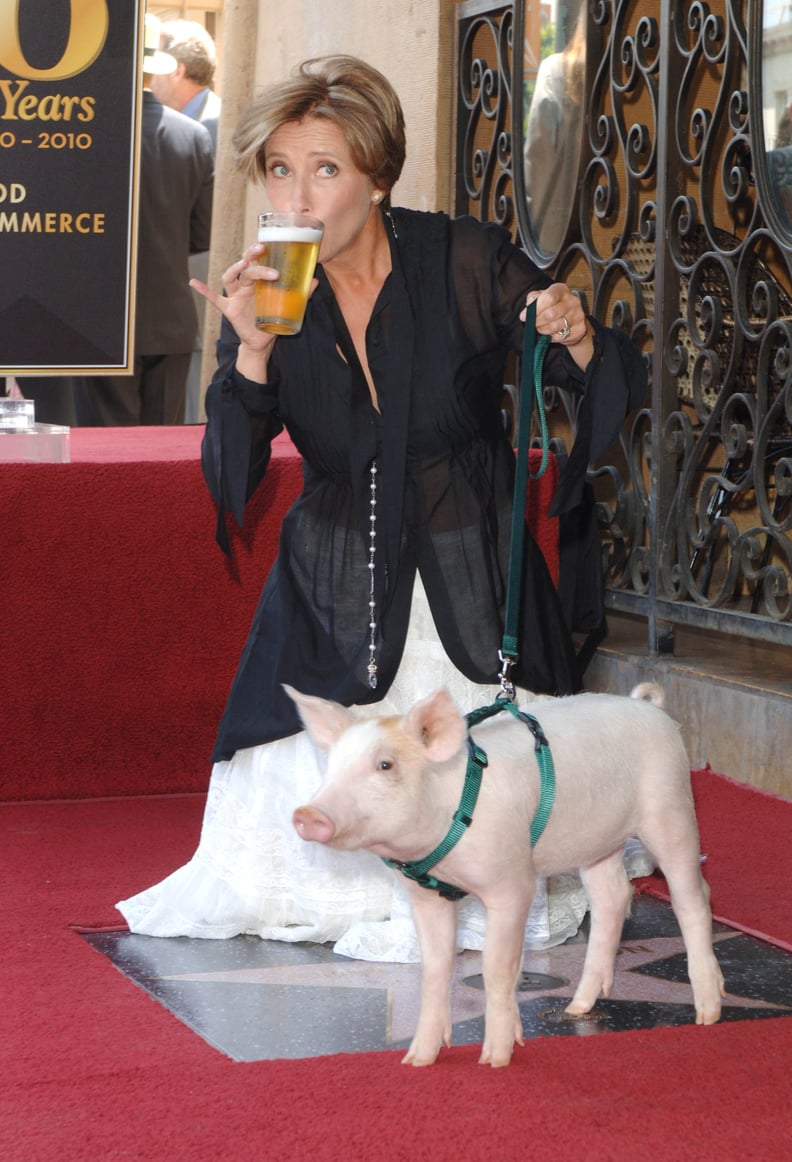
point(347, 91)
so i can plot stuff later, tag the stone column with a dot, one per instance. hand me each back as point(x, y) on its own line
point(228, 214)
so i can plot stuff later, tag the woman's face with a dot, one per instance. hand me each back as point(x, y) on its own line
point(309, 168)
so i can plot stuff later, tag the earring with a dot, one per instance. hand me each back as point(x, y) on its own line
point(376, 197)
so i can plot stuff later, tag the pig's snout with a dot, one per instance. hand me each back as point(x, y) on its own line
point(312, 824)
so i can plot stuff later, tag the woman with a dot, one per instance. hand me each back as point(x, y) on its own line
point(392, 394)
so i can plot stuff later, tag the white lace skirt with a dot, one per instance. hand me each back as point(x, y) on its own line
point(252, 873)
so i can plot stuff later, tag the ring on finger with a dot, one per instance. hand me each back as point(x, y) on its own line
point(565, 331)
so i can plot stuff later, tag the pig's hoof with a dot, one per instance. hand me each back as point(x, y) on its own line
point(418, 1060)
point(707, 996)
point(424, 1051)
point(495, 1063)
point(496, 1060)
point(578, 1009)
point(708, 1016)
point(501, 1055)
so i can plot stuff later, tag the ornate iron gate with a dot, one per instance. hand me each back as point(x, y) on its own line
point(681, 233)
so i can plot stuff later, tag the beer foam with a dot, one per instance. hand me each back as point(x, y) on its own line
point(289, 234)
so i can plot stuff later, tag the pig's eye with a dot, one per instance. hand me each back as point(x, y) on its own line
point(385, 765)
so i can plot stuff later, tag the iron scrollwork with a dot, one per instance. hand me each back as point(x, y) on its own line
point(681, 233)
point(723, 540)
point(484, 178)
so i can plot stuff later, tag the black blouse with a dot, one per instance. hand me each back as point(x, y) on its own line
point(437, 343)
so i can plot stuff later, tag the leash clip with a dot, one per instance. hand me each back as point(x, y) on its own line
point(507, 686)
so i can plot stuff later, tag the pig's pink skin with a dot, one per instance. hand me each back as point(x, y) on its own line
point(393, 784)
point(313, 824)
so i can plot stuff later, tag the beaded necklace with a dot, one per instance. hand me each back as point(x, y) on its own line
point(372, 662)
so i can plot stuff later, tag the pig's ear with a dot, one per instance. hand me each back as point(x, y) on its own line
point(438, 726)
point(325, 721)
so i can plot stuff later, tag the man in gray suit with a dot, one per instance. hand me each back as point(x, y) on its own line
point(189, 87)
point(174, 220)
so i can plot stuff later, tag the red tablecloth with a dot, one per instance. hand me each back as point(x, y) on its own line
point(124, 445)
point(123, 620)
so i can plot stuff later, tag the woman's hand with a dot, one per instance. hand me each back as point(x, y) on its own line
point(238, 304)
point(559, 313)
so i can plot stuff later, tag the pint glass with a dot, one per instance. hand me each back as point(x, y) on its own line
point(291, 246)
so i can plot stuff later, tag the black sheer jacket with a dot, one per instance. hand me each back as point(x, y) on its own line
point(437, 344)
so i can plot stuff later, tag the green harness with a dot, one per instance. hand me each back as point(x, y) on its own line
point(419, 869)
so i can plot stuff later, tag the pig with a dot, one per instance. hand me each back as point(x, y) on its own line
point(392, 787)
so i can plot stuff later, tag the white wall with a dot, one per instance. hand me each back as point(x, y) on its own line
point(410, 42)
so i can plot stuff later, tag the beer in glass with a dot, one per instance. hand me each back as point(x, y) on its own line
point(291, 246)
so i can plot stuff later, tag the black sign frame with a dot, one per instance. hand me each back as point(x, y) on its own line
point(70, 113)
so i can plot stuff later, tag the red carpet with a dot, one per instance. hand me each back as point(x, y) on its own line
point(95, 1069)
point(745, 837)
point(122, 627)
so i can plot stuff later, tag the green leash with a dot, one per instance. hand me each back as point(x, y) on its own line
point(530, 383)
point(534, 348)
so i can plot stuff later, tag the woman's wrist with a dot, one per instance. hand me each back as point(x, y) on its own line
point(252, 363)
point(583, 348)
